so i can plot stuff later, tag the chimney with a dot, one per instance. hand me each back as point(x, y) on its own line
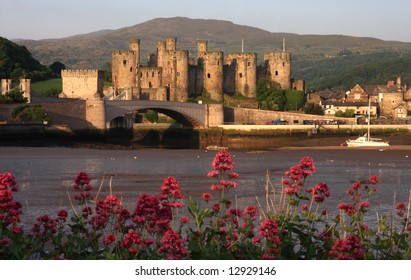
point(398, 83)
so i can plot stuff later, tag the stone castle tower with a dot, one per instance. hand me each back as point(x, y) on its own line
point(211, 65)
point(278, 68)
point(240, 75)
point(125, 65)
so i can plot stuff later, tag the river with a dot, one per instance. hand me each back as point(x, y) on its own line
point(45, 174)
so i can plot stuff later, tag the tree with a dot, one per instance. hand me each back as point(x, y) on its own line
point(294, 100)
point(56, 68)
point(349, 113)
point(270, 96)
point(30, 113)
point(313, 109)
point(13, 96)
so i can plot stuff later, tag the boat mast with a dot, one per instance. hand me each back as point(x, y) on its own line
point(369, 117)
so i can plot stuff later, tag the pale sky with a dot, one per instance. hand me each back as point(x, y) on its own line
point(43, 19)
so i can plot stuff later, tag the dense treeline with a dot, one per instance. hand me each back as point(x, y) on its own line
point(16, 62)
point(344, 72)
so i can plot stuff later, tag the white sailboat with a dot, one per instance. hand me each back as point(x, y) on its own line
point(366, 140)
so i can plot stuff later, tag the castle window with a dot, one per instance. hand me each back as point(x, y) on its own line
point(141, 74)
point(150, 85)
point(152, 74)
point(209, 75)
point(248, 63)
point(241, 75)
point(276, 73)
point(124, 62)
point(283, 64)
point(131, 69)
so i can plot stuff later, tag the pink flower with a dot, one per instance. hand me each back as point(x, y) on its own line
point(206, 196)
point(374, 180)
point(356, 185)
point(349, 248)
point(223, 161)
point(250, 211)
point(173, 246)
point(304, 207)
point(170, 188)
point(184, 219)
point(110, 238)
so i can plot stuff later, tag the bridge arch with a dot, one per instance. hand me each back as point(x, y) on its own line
point(188, 114)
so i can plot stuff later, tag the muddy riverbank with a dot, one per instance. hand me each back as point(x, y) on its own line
point(189, 139)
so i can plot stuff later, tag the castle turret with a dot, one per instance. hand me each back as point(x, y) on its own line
point(278, 67)
point(213, 75)
point(6, 86)
point(25, 87)
point(125, 66)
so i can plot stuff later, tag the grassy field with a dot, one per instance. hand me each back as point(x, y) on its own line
point(44, 86)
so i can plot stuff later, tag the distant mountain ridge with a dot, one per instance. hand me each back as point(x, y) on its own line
point(93, 50)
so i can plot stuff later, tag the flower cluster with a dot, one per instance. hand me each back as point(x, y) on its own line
point(10, 210)
point(82, 184)
point(152, 230)
point(349, 248)
point(297, 175)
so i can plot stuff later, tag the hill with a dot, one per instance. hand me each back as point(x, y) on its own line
point(311, 53)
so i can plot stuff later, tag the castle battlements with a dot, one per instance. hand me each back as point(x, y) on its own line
point(81, 72)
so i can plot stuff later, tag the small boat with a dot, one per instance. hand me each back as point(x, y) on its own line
point(367, 141)
point(216, 148)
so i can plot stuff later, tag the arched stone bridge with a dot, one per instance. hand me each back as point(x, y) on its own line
point(188, 114)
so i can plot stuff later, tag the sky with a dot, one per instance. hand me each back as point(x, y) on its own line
point(45, 19)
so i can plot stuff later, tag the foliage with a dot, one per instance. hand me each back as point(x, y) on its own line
point(56, 68)
point(294, 225)
point(349, 113)
point(30, 113)
point(344, 72)
point(151, 116)
point(313, 108)
point(294, 100)
point(16, 62)
point(13, 96)
point(270, 96)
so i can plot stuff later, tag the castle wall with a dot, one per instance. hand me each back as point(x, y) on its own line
point(150, 77)
point(298, 85)
point(278, 67)
point(83, 84)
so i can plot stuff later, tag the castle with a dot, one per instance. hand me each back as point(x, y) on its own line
point(172, 75)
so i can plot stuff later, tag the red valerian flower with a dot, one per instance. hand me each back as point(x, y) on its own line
point(206, 196)
point(184, 219)
point(223, 161)
point(250, 211)
point(374, 180)
point(400, 209)
point(170, 189)
point(81, 183)
point(173, 246)
point(110, 238)
point(349, 248)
